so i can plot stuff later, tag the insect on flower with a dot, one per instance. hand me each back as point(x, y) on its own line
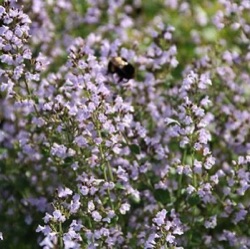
point(121, 67)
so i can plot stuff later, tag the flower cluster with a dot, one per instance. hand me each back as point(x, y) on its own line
point(91, 159)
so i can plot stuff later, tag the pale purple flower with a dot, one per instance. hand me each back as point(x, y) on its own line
point(187, 170)
point(205, 193)
point(244, 186)
point(160, 218)
point(47, 218)
point(170, 238)
point(74, 166)
point(69, 243)
point(64, 192)
point(59, 150)
point(210, 162)
point(218, 20)
point(215, 178)
point(204, 81)
point(111, 214)
point(76, 225)
point(150, 243)
point(75, 204)
point(2, 10)
point(197, 167)
point(198, 111)
point(211, 222)
point(81, 141)
point(178, 230)
point(204, 136)
point(58, 216)
point(184, 142)
point(122, 174)
point(125, 207)
point(72, 237)
point(49, 241)
point(240, 215)
point(96, 216)
point(84, 190)
point(228, 236)
point(91, 206)
point(42, 62)
point(189, 81)
point(7, 59)
point(44, 229)
point(40, 203)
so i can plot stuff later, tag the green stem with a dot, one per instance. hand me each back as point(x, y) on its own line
point(60, 236)
point(194, 175)
point(30, 94)
point(181, 175)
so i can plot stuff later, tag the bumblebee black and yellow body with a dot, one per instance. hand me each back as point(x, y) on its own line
point(121, 67)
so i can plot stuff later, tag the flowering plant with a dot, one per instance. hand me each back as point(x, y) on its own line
point(92, 158)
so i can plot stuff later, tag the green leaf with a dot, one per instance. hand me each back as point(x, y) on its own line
point(162, 196)
point(135, 149)
point(194, 200)
point(119, 186)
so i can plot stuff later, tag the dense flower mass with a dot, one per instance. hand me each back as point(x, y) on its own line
point(124, 124)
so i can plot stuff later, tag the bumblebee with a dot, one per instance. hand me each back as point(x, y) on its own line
point(121, 67)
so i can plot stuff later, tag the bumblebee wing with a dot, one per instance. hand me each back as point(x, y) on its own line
point(111, 67)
